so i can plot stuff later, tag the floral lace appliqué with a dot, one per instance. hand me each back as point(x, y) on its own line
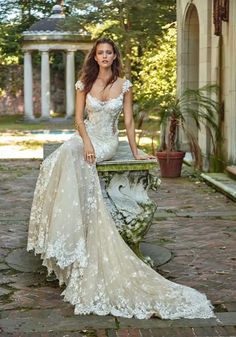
point(79, 85)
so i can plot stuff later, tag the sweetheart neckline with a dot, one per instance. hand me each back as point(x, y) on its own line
point(105, 101)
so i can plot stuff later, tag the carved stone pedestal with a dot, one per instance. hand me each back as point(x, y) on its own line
point(125, 183)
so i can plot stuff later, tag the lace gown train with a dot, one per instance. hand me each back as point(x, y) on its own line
point(77, 239)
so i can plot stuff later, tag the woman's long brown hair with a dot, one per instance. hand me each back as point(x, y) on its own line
point(90, 69)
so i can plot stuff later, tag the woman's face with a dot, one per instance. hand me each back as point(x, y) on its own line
point(104, 55)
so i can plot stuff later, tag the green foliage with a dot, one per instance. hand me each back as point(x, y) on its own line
point(17, 16)
point(149, 51)
point(193, 109)
point(155, 82)
point(16, 123)
point(142, 18)
point(131, 23)
point(10, 79)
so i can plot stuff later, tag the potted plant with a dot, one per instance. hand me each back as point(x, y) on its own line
point(193, 106)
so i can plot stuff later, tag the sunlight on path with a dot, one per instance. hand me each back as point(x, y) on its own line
point(30, 145)
point(27, 145)
point(18, 152)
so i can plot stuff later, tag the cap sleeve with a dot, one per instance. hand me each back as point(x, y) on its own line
point(79, 85)
point(126, 85)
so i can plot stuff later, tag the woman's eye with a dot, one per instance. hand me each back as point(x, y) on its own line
point(107, 52)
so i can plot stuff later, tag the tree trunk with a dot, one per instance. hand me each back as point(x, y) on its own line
point(128, 49)
point(127, 59)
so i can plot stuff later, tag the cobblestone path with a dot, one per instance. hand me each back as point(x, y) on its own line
point(197, 224)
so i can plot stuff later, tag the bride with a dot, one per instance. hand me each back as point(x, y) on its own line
point(72, 229)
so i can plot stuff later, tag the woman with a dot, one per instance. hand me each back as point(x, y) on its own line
point(72, 229)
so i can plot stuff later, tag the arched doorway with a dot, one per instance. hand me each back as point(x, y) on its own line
point(191, 48)
point(190, 59)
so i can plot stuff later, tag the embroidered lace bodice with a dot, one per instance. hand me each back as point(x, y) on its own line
point(73, 231)
point(102, 121)
point(103, 115)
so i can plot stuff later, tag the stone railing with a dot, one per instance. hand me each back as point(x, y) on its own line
point(125, 183)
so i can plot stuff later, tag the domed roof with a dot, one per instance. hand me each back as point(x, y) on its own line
point(52, 24)
point(47, 25)
point(51, 31)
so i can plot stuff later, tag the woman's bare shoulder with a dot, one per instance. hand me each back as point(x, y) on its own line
point(124, 83)
point(121, 80)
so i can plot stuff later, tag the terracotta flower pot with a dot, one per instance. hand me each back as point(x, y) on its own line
point(170, 163)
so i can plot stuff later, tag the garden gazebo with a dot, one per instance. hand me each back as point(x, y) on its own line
point(44, 36)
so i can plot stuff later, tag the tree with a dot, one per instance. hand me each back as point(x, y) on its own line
point(17, 16)
point(131, 22)
point(156, 79)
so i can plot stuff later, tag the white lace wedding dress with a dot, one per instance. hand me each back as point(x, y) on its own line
point(77, 239)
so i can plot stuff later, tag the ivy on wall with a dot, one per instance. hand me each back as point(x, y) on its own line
point(11, 77)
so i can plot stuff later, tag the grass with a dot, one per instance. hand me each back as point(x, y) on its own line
point(147, 138)
point(17, 123)
point(30, 144)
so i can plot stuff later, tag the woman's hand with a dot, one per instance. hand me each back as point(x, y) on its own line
point(130, 127)
point(89, 152)
point(144, 156)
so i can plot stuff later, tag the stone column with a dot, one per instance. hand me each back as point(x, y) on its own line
point(28, 86)
point(45, 85)
point(70, 83)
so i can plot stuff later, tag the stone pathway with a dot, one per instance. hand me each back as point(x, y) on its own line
point(195, 223)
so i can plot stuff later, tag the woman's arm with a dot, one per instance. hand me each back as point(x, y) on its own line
point(129, 121)
point(89, 153)
point(130, 127)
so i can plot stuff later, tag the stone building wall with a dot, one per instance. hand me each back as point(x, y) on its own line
point(204, 58)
